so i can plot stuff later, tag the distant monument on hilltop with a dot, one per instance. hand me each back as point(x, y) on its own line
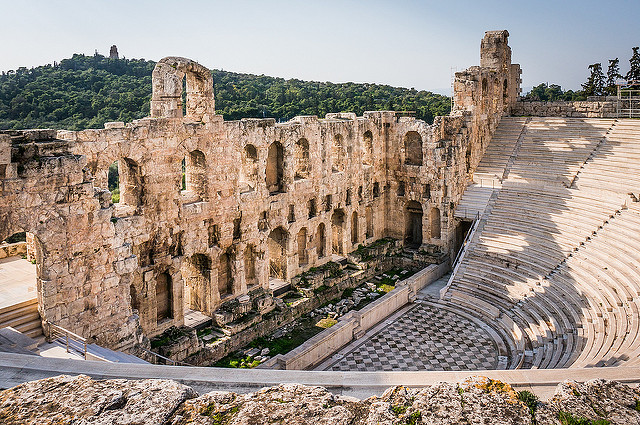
point(113, 53)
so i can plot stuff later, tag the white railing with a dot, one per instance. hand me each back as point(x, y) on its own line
point(71, 340)
point(167, 360)
point(463, 249)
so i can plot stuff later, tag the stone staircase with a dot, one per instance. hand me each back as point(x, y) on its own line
point(23, 317)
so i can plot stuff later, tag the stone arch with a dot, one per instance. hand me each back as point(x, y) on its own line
point(250, 275)
point(225, 274)
point(354, 228)
point(196, 273)
point(413, 224)
point(195, 174)
point(369, 221)
point(249, 170)
point(367, 148)
point(321, 239)
point(164, 297)
point(413, 148)
point(434, 223)
point(338, 155)
point(337, 231)
point(167, 81)
point(303, 258)
point(485, 87)
point(303, 165)
point(277, 245)
point(275, 168)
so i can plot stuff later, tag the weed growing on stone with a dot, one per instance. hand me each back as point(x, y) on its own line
point(531, 401)
point(219, 418)
point(567, 418)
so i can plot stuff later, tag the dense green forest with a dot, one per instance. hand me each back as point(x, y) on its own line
point(87, 91)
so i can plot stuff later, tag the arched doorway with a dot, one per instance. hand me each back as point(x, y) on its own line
point(164, 297)
point(278, 254)
point(337, 231)
point(413, 224)
point(196, 273)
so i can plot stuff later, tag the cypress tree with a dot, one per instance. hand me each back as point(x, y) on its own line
point(613, 73)
point(595, 83)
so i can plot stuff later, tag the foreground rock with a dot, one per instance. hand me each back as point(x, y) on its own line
point(478, 400)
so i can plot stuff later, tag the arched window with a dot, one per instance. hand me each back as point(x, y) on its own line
point(338, 155)
point(195, 174)
point(413, 148)
point(434, 220)
point(275, 168)
point(135, 302)
point(164, 297)
point(249, 171)
point(505, 90)
point(369, 220)
point(250, 266)
point(413, 224)
point(321, 240)
point(225, 275)
point(485, 87)
point(303, 166)
point(337, 231)
point(113, 182)
point(278, 253)
point(367, 148)
point(302, 247)
point(354, 228)
point(125, 182)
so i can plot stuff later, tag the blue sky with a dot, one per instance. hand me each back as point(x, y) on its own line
point(401, 42)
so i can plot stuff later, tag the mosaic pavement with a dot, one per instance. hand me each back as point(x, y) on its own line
point(424, 338)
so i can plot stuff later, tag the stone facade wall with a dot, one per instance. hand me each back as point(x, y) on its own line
point(581, 109)
point(261, 199)
point(13, 249)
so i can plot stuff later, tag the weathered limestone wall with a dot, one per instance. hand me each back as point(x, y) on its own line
point(262, 200)
point(578, 109)
point(47, 191)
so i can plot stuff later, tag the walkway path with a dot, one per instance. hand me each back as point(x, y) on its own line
point(17, 281)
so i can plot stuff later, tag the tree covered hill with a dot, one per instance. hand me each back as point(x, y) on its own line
point(87, 91)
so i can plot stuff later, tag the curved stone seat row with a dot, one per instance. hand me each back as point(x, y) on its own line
point(556, 266)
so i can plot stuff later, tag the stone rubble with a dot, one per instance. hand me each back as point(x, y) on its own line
point(477, 400)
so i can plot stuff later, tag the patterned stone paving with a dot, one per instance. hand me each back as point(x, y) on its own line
point(424, 338)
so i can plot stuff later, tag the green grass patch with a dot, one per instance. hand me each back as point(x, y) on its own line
point(222, 417)
point(326, 323)
point(531, 401)
point(567, 418)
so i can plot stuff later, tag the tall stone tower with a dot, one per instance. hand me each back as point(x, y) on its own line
point(113, 53)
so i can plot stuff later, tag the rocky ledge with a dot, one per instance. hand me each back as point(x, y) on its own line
point(477, 400)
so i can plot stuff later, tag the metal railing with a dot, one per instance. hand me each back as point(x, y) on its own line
point(456, 262)
point(71, 340)
point(166, 360)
